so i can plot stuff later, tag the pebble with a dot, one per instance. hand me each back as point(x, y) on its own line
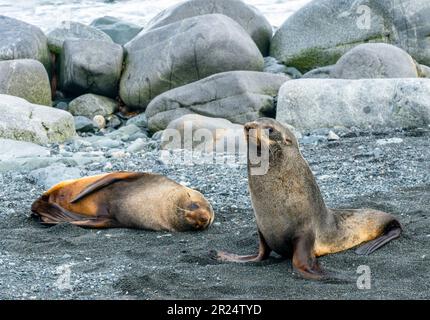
point(332, 136)
point(383, 142)
point(108, 166)
point(118, 154)
point(100, 121)
point(137, 145)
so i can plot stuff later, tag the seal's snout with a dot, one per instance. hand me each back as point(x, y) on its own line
point(199, 216)
point(199, 219)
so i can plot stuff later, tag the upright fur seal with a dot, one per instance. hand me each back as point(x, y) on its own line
point(291, 215)
point(125, 199)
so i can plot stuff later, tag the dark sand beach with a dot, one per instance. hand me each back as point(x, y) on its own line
point(133, 264)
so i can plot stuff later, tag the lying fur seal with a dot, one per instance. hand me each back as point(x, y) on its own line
point(125, 199)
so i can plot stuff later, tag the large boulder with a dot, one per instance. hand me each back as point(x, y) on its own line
point(73, 30)
point(375, 60)
point(91, 105)
point(20, 40)
point(25, 78)
point(182, 52)
point(239, 96)
point(321, 32)
point(90, 66)
point(249, 17)
point(53, 174)
point(120, 31)
point(200, 133)
point(24, 121)
point(11, 149)
point(308, 104)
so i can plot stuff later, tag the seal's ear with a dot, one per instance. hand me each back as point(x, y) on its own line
point(106, 181)
point(288, 141)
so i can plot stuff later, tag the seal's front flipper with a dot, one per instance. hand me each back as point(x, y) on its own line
point(263, 254)
point(392, 232)
point(306, 264)
point(304, 260)
point(105, 181)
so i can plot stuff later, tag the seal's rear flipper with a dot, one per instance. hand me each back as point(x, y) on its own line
point(393, 231)
point(52, 214)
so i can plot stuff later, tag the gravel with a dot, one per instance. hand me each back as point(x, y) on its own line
point(384, 170)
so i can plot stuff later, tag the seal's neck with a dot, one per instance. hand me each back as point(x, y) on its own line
point(291, 179)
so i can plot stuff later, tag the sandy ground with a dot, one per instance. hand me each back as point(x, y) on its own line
point(133, 264)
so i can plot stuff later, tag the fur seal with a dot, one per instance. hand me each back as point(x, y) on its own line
point(291, 215)
point(125, 199)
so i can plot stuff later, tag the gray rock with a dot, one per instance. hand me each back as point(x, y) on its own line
point(272, 65)
point(73, 30)
point(83, 124)
point(113, 122)
point(239, 96)
point(21, 120)
point(53, 174)
point(124, 132)
point(375, 60)
point(293, 73)
point(320, 73)
point(137, 145)
point(249, 17)
point(337, 26)
point(27, 79)
point(11, 149)
point(120, 31)
point(179, 53)
point(140, 121)
point(62, 105)
point(32, 163)
point(90, 66)
point(200, 133)
point(20, 40)
point(371, 103)
point(104, 142)
point(91, 105)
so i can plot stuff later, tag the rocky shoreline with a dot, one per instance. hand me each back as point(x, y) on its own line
point(85, 99)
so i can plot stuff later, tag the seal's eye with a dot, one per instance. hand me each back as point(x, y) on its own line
point(194, 206)
point(270, 130)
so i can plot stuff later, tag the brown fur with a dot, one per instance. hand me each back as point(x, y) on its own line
point(290, 212)
point(125, 199)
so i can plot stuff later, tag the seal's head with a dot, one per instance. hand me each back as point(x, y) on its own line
point(196, 211)
point(269, 135)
